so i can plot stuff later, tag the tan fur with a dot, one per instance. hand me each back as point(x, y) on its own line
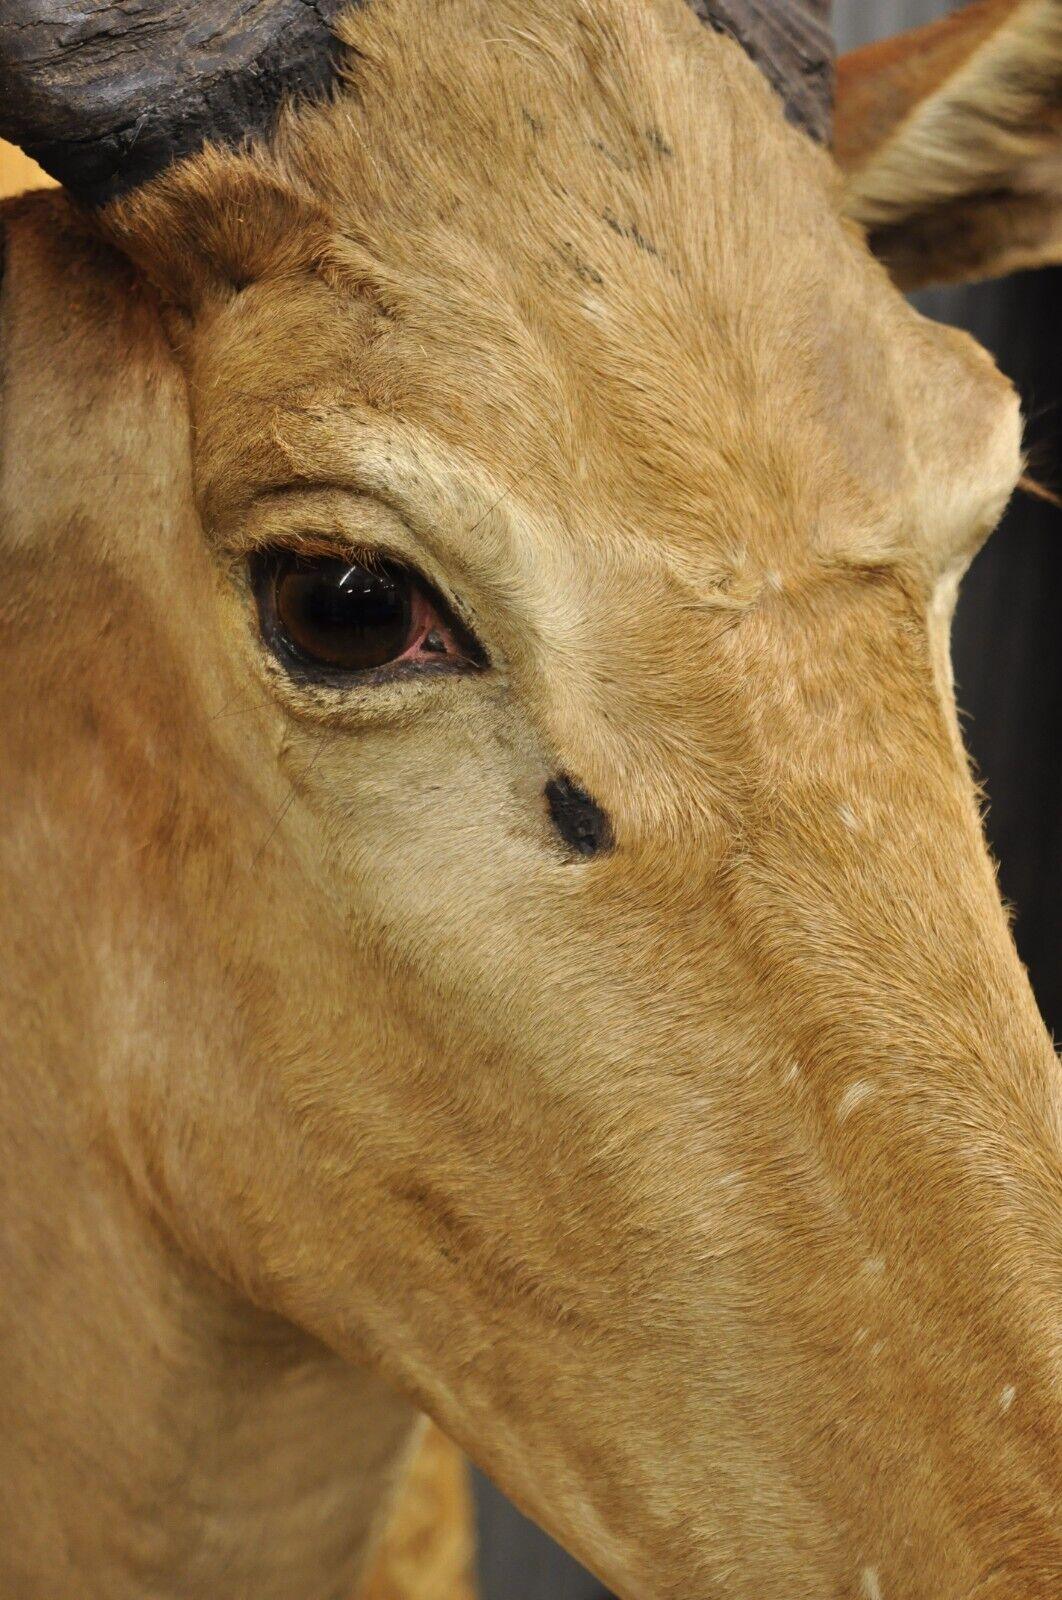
point(708, 1192)
point(951, 139)
point(18, 172)
point(428, 1548)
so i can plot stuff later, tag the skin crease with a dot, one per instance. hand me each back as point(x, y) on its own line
point(706, 1191)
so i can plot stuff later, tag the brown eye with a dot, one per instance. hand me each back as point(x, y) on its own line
point(333, 614)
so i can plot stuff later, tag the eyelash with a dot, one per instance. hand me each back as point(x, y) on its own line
point(335, 618)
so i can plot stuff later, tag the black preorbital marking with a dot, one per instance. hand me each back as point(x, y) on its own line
point(579, 820)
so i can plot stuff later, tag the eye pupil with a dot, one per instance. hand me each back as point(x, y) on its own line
point(342, 615)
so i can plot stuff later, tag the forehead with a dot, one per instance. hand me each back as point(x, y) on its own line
point(578, 245)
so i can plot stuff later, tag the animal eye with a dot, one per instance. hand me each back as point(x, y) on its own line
point(332, 614)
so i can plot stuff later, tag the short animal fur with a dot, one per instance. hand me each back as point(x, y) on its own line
point(705, 1188)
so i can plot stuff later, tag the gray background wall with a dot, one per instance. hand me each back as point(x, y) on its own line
point(1008, 661)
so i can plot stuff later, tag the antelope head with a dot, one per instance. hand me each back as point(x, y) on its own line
point(500, 893)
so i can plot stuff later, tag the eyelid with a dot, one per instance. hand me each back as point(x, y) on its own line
point(330, 519)
point(343, 691)
point(324, 519)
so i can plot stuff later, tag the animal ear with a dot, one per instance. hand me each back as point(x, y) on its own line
point(950, 139)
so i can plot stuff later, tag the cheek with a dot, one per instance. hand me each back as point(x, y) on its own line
point(438, 817)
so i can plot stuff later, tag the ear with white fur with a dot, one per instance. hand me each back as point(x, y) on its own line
point(950, 139)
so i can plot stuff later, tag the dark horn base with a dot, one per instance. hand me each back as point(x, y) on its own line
point(792, 44)
point(105, 97)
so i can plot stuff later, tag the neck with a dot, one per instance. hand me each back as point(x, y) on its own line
point(164, 1437)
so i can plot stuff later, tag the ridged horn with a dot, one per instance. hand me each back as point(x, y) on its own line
point(792, 44)
point(106, 96)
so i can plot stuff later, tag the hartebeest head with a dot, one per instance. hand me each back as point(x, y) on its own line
point(502, 888)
